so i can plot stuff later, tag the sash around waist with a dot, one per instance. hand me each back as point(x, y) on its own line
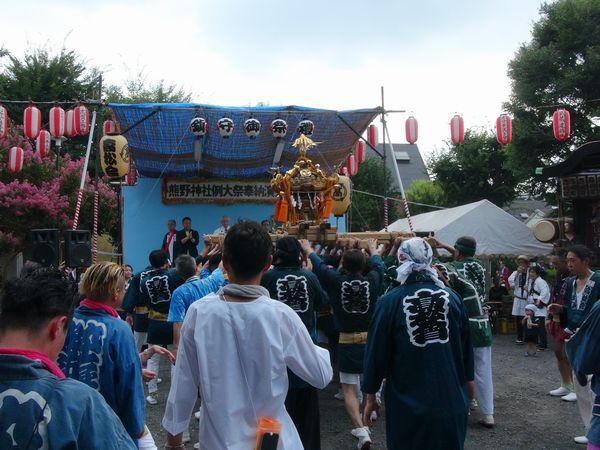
point(353, 338)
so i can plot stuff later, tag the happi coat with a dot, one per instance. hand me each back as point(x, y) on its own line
point(270, 337)
point(100, 351)
point(419, 341)
point(69, 414)
point(576, 313)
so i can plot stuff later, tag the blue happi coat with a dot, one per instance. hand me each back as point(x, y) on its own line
point(75, 417)
point(419, 342)
point(100, 351)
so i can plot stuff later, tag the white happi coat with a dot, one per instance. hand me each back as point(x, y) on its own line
point(271, 337)
point(539, 290)
point(520, 293)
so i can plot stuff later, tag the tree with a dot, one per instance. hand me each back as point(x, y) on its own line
point(559, 67)
point(474, 170)
point(138, 90)
point(426, 192)
point(367, 210)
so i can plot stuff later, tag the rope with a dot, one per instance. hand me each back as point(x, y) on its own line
point(95, 229)
point(77, 209)
point(385, 214)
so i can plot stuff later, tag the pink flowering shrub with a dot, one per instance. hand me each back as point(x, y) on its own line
point(44, 196)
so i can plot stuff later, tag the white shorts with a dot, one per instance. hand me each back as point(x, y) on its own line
point(350, 378)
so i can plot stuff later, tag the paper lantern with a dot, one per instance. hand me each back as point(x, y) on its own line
point(81, 119)
point(15, 159)
point(457, 129)
point(114, 155)
point(351, 164)
point(57, 122)
point(109, 127)
point(561, 120)
point(343, 171)
point(3, 122)
point(306, 127)
point(412, 130)
point(70, 123)
point(43, 142)
point(359, 152)
point(198, 126)
point(503, 129)
point(278, 128)
point(32, 122)
point(225, 127)
point(252, 128)
point(131, 177)
point(373, 136)
point(341, 195)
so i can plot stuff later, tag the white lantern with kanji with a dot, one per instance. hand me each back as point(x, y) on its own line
point(457, 129)
point(412, 130)
point(561, 120)
point(81, 119)
point(70, 123)
point(15, 159)
point(278, 128)
point(306, 127)
point(32, 122)
point(252, 127)
point(225, 127)
point(42, 143)
point(109, 127)
point(503, 129)
point(57, 122)
point(3, 122)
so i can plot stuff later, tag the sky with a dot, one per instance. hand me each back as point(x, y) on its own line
point(434, 58)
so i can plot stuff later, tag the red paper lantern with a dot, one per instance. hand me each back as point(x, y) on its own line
point(373, 136)
point(57, 122)
point(81, 119)
point(562, 124)
point(359, 151)
point(70, 123)
point(351, 165)
point(457, 129)
point(3, 122)
point(344, 171)
point(412, 130)
point(503, 129)
point(42, 143)
point(109, 127)
point(15, 159)
point(131, 177)
point(32, 122)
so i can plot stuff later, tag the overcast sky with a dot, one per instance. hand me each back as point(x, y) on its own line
point(435, 58)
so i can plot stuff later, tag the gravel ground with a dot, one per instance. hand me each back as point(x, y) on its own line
point(526, 416)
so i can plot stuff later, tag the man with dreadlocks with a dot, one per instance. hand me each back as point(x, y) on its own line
point(300, 289)
point(419, 341)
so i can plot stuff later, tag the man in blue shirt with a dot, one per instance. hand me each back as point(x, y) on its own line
point(39, 407)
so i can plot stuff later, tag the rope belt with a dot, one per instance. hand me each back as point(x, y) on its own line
point(353, 338)
point(154, 315)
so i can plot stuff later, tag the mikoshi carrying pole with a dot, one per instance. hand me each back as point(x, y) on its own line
point(84, 172)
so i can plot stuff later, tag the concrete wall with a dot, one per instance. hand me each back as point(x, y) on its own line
point(145, 218)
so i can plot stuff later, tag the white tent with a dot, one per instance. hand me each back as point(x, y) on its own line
point(496, 231)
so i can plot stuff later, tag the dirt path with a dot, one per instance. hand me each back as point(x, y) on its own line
point(527, 417)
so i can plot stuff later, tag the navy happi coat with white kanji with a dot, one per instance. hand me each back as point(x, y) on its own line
point(419, 341)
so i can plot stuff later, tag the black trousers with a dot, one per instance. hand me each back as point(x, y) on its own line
point(542, 335)
point(302, 405)
point(519, 320)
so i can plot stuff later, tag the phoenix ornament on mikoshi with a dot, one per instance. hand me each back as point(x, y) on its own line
point(304, 193)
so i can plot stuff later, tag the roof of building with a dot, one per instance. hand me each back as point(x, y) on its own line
point(409, 160)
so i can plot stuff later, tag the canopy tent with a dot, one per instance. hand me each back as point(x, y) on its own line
point(162, 144)
point(496, 231)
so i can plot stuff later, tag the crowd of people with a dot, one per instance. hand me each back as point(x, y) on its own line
point(252, 331)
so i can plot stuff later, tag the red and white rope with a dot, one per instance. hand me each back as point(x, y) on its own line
point(95, 228)
point(385, 214)
point(407, 211)
point(77, 209)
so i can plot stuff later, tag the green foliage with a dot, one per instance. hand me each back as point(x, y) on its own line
point(366, 210)
point(474, 170)
point(560, 66)
point(427, 192)
point(138, 90)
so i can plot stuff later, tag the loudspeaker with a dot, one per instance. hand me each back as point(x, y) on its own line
point(78, 252)
point(45, 247)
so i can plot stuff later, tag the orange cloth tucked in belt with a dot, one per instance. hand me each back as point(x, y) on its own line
point(353, 338)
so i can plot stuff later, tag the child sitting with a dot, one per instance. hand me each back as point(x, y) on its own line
point(531, 327)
